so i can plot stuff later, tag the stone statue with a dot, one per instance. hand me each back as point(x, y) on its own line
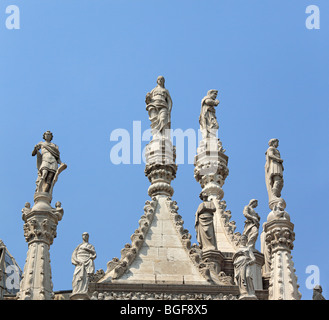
point(208, 121)
point(47, 163)
point(251, 225)
point(243, 259)
point(83, 258)
point(204, 226)
point(273, 170)
point(159, 105)
point(317, 293)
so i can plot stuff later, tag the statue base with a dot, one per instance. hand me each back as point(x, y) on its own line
point(214, 256)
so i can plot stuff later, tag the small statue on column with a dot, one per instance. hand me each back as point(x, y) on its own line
point(208, 121)
point(273, 172)
point(47, 163)
point(159, 105)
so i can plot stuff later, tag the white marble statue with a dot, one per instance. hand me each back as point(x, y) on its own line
point(251, 226)
point(159, 105)
point(243, 259)
point(47, 163)
point(83, 258)
point(204, 226)
point(273, 170)
point(208, 121)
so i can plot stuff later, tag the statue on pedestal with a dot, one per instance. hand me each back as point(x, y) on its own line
point(243, 259)
point(47, 163)
point(251, 226)
point(208, 121)
point(83, 258)
point(273, 171)
point(159, 105)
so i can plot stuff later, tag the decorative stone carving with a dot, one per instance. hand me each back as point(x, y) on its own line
point(243, 259)
point(273, 172)
point(204, 226)
point(122, 295)
point(208, 121)
point(251, 226)
point(317, 293)
point(159, 105)
point(82, 258)
point(279, 238)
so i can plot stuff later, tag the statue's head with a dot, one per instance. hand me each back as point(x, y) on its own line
point(161, 81)
point(253, 203)
point(212, 93)
point(85, 236)
point(243, 240)
point(48, 136)
point(274, 143)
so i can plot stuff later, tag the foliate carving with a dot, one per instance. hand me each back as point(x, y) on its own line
point(280, 238)
point(117, 267)
point(124, 295)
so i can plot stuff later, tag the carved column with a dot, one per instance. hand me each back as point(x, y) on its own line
point(39, 232)
point(283, 280)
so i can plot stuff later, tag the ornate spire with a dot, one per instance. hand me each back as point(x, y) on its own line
point(278, 235)
point(41, 223)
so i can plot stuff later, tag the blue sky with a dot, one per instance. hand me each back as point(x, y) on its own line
point(81, 69)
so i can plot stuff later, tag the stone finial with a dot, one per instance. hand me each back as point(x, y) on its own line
point(159, 105)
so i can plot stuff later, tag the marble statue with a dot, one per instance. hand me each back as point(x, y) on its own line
point(243, 259)
point(273, 170)
point(83, 258)
point(159, 105)
point(47, 163)
point(251, 226)
point(208, 121)
point(204, 226)
point(317, 293)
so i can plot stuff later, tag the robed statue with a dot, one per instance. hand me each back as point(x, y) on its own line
point(204, 226)
point(251, 226)
point(208, 121)
point(159, 105)
point(83, 258)
point(243, 259)
point(273, 170)
point(49, 164)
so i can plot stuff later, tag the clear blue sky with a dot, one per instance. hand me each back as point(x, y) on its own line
point(81, 69)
